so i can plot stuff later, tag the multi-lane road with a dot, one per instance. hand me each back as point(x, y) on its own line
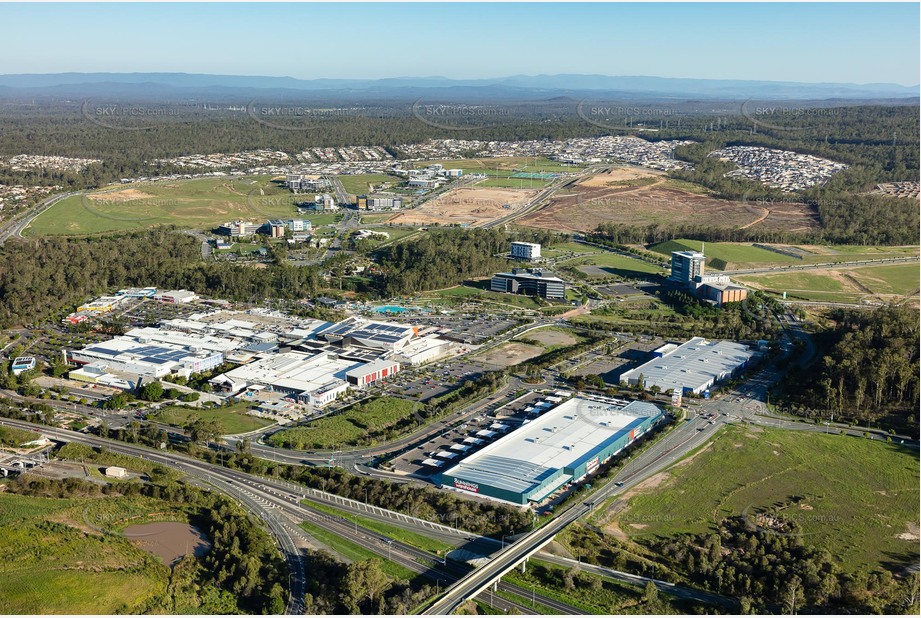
point(14, 227)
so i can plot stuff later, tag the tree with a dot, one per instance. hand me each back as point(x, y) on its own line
point(152, 391)
point(365, 580)
point(792, 595)
point(650, 593)
point(201, 430)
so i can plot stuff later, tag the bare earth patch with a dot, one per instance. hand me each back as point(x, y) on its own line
point(123, 195)
point(509, 354)
point(466, 206)
point(593, 202)
point(619, 174)
point(549, 337)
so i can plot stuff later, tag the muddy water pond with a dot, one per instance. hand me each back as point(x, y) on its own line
point(169, 540)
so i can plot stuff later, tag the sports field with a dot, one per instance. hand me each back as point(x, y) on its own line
point(864, 517)
point(200, 203)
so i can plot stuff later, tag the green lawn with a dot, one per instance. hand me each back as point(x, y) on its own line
point(732, 253)
point(893, 279)
point(353, 427)
point(804, 280)
point(232, 418)
point(856, 496)
point(200, 203)
point(358, 184)
point(615, 264)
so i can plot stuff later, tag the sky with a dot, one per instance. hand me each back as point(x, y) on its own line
point(816, 42)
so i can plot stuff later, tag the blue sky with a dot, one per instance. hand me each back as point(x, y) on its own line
point(819, 42)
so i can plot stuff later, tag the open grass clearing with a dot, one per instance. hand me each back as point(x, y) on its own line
point(359, 184)
point(354, 426)
point(200, 203)
point(855, 497)
point(233, 419)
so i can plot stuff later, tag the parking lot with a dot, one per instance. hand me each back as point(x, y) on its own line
point(470, 328)
point(452, 444)
point(434, 380)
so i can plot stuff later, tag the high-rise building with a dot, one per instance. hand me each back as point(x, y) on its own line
point(686, 265)
point(525, 250)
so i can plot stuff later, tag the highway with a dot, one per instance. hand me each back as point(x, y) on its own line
point(279, 504)
point(15, 226)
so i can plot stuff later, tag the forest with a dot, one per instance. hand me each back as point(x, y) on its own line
point(441, 259)
point(868, 372)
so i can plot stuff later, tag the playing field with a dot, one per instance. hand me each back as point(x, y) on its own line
point(627, 198)
point(201, 203)
point(855, 497)
point(466, 206)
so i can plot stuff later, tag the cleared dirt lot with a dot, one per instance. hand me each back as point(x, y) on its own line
point(509, 354)
point(124, 195)
point(618, 175)
point(469, 205)
point(598, 200)
point(550, 337)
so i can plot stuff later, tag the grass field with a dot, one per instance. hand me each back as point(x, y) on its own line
point(200, 203)
point(359, 184)
point(742, 255)
point(353, 427)
point(52, 565)
point(894, 279)
point(844, 285)
point(857, 498)
point(734, 253)
point(607, 264)
point(233, 419)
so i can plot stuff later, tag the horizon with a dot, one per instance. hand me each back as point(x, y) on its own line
point(446, 78)
point(808, 43)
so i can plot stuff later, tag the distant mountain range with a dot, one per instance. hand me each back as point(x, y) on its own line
point(516, 87)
